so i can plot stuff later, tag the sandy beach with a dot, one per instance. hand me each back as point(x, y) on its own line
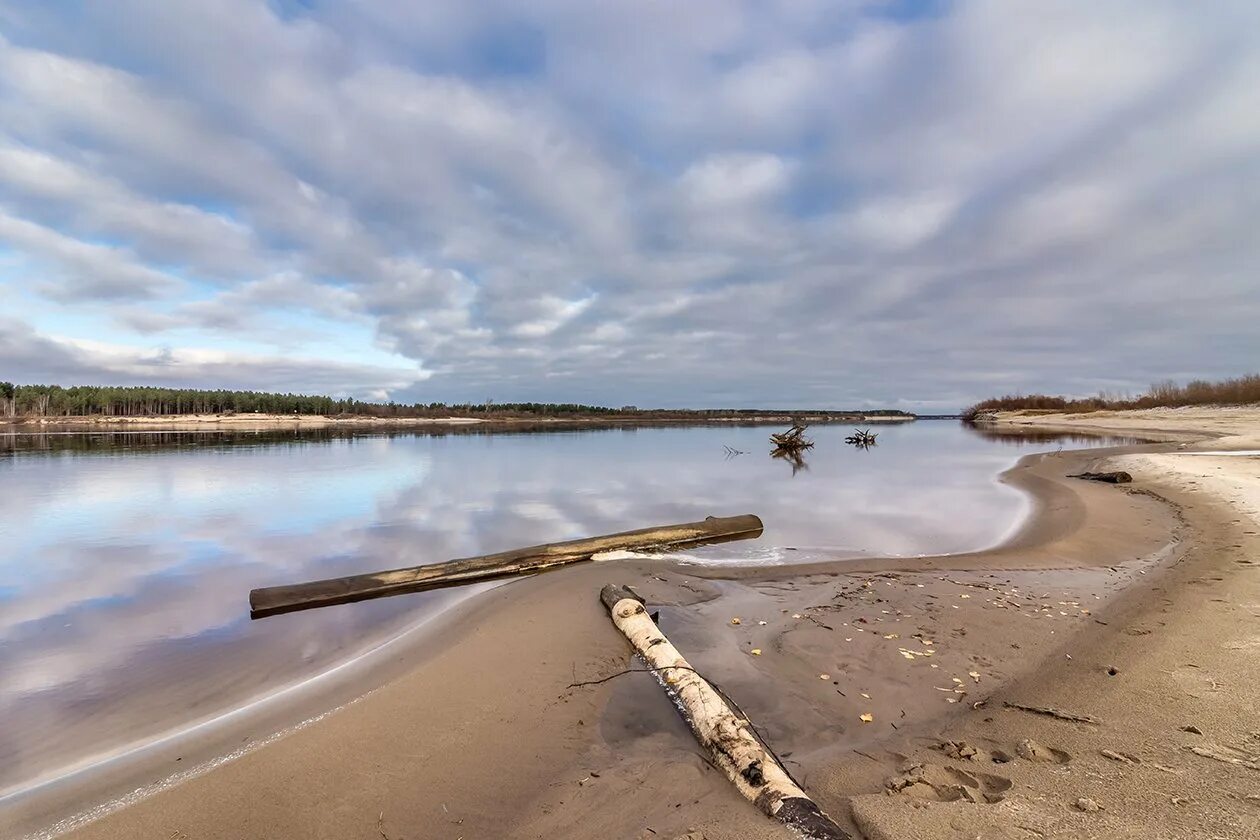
point(1134, 606)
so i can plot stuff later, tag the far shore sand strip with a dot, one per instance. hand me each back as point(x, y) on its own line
point(250, 421)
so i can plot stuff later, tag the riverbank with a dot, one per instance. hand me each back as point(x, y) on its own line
point(1170, 677)
point(1192, 423)
point(480, 735)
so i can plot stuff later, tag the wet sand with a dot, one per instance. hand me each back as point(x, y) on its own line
point(479, 733)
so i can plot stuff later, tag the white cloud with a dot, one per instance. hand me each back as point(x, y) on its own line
point(639, 202)
point(735, 178)
point(29, 356)
point(82, 271)
point(553, 314)
point(92, 205)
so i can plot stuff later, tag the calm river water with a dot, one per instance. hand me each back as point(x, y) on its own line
point(127, 558)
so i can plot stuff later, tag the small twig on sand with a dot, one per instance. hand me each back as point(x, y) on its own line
point(705, 759)
point(635, 671)
point(819, 623)
point(1227, 755)
point(984, 586)
point(380, 827)
point(1051, 711)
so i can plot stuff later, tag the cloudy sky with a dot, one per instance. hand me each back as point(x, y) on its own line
point(819, 203)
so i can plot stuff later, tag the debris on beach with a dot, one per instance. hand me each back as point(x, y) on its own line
point(275, 600)
point(719, 725)
point(1228, 755)
point(1117, 477)
point(1051, 711)
point(1123, 758)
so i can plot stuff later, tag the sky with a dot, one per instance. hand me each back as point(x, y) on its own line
point(838, 204)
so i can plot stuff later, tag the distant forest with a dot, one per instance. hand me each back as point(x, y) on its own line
point(21, 401)
point(1243, 390)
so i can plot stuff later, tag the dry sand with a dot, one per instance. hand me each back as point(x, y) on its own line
point(1138, 606)
point(1191, 423)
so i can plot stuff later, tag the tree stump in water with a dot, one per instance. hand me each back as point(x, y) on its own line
point(862, 438)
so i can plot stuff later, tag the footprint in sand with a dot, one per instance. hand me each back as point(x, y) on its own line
point(946, 784)
point(964, 751)
point(1027, 749)
point(1194, 681)
point(1030, 750)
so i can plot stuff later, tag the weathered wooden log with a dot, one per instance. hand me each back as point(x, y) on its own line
point(1118, 477)
point(274, 600)
point(727, 735)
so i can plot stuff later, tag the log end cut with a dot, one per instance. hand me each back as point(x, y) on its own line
point(808, 819)
point(611, 594)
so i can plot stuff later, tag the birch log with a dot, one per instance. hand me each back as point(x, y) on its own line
point(274, 600)
point(728, 736)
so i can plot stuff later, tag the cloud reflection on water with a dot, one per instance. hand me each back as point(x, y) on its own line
point(124, 584)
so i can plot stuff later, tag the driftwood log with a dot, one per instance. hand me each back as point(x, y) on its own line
point(275, 600)
point(728, 736)
point(1118, 477)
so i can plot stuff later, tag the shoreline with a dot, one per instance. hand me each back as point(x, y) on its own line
point(125, 773)
point(250, 422)
point(1069, 521)
point(209, 743)
point(1188, 424)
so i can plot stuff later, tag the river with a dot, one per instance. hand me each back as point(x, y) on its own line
point(128, 557)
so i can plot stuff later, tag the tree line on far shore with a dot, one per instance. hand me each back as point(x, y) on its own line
point(1242, 390)
point(139, 401)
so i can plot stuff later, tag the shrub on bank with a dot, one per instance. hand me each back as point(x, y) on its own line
point(1242, 390)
